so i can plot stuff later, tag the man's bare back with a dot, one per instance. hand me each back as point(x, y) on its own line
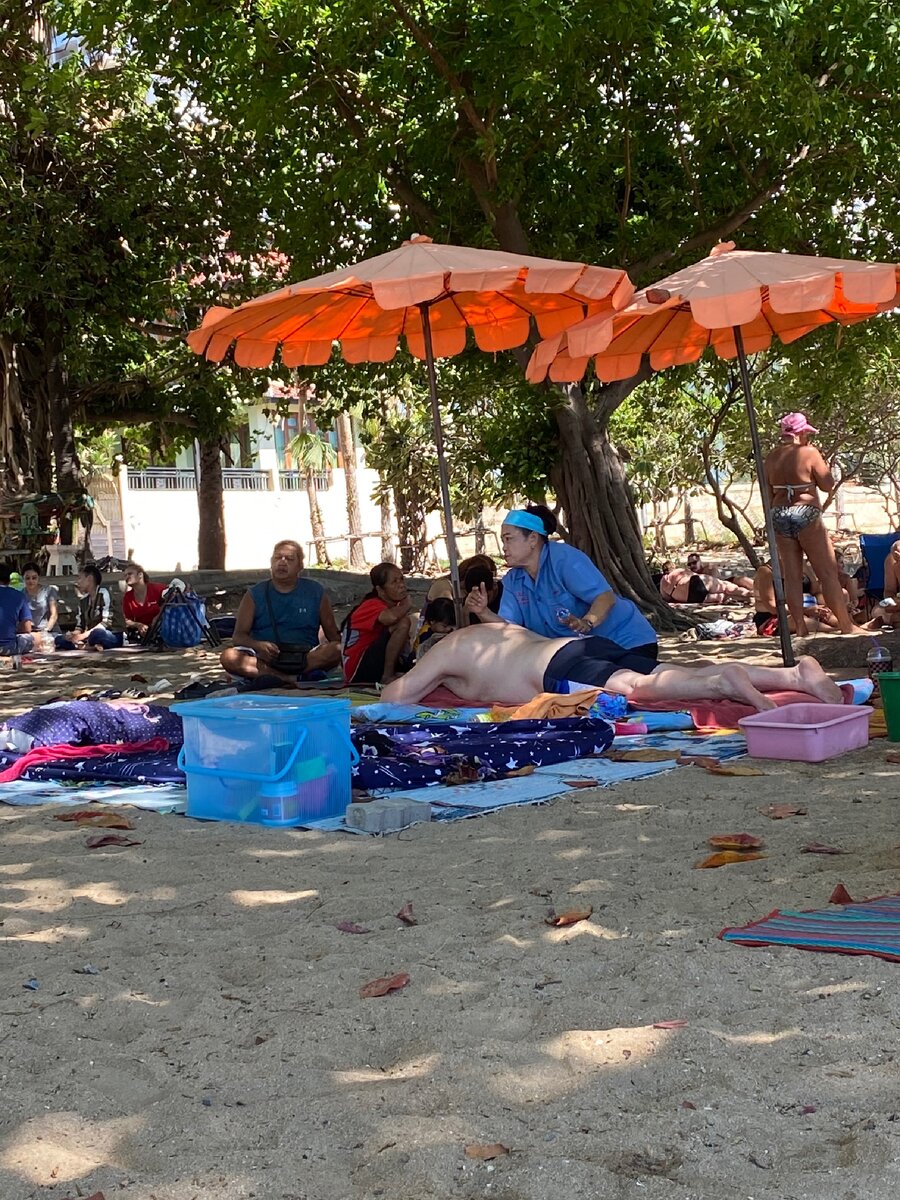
point(499, 663)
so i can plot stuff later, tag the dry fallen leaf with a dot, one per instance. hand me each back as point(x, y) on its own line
point(581, 783)
point(676, 1023)
point(406, 914)
point(381, 987)
point(101, 820)
point(646, 755)
point(687, 1104)
point(528, 769)
point(893, 757)
point(571, 917)
point(726, 769)
point(725, 857)
point(486, 1153)
point(698, 760)
point(840, 895)
point(351, 927)
point(735, 841)
point(109, 839)
point(820, 848)
point(778, 812)
point(139, 679)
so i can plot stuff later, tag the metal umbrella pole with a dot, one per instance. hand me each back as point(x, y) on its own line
point(787, 650)
point(442, 468)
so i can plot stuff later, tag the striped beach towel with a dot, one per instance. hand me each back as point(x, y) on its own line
point(865, 927)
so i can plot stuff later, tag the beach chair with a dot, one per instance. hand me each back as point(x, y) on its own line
point(874, 549)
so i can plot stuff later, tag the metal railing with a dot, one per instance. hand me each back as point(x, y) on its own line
point(295, 481)
point(171, 479)
point(245, 479)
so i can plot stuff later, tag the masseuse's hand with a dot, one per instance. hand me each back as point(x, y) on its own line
point(579, 624)
point(477, 600)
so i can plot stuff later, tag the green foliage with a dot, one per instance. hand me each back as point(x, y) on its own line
point(632, 133)
point(312, 453)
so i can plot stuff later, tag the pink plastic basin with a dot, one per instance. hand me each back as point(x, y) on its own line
point(807, 732)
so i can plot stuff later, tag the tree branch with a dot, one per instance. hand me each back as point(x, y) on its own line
point(446, 72)
point(717, 233)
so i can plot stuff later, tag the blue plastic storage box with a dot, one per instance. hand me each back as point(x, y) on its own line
point(270, 760)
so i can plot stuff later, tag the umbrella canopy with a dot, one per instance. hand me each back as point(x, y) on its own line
point(428, 294)
point(735, 301)
point(766, 295)
point(368, 307)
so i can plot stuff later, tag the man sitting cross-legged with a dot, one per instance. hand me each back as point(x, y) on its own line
point(507, 664)
point(276, 632)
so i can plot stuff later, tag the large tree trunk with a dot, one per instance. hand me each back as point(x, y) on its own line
point(354, 520)
point(315, 519)
point(590, 484)
point(17, 473)
point(388, 553)
point(52, 402)
point(211, 507)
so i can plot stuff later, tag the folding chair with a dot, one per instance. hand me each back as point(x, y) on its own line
point(874, 549)
point(186, 604)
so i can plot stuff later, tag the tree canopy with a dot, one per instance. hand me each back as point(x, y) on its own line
point(636, 133)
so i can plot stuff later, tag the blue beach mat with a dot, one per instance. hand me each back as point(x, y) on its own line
point(547, 783)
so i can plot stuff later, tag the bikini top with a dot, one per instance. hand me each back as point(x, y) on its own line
point(790, 488)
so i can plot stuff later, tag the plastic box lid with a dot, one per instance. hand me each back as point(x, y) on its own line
point(263, 708)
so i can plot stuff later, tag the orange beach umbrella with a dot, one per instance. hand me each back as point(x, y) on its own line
point(429, 295)
point(735, 301)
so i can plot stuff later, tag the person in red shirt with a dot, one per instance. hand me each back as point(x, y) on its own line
point(141, 602)
point(376, 633)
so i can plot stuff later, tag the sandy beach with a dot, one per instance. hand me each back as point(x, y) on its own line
point(222, 1048)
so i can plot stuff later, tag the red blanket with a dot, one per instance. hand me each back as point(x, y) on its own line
point(716, 714)
point(725, 714)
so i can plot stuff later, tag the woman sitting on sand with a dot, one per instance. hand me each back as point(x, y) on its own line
point(376, 634)
point(99, 624)
point(141, 602)
point(43, 598)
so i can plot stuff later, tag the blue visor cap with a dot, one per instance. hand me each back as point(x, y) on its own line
point(525, 520)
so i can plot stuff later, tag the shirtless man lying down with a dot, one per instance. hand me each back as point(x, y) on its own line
point(510, 665)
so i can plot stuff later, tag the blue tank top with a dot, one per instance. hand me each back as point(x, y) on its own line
point(296, 612)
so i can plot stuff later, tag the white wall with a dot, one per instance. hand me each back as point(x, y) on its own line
point(161, 526)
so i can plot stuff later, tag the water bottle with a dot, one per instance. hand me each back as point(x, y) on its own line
point(878, 660)
point(562, 616)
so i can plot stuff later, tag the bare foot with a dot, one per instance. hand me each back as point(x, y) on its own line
point(813, 680)
point(734, 684)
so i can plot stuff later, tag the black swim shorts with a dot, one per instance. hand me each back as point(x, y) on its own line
point(591, 661)
point(697, 590)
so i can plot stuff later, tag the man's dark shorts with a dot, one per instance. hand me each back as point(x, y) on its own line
point(591, 661)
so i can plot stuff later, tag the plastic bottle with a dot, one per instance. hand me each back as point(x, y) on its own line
point(878, 660)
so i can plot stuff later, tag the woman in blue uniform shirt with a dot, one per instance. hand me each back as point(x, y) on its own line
point(555, 590)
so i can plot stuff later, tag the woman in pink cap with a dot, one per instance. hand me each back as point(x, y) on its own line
point(795, 474)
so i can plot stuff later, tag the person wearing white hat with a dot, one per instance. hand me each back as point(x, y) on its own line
point(795, 474)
